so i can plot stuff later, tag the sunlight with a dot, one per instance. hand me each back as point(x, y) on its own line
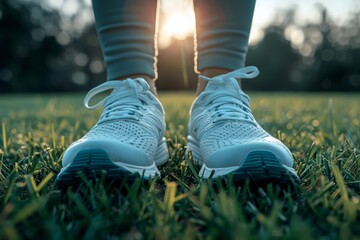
point(177, 21)
point(179, 25)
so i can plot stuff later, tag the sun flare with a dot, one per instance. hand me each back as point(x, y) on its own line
point(176, 25)
point(179, 25)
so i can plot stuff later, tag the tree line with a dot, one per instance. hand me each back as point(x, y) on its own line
point(39, 53)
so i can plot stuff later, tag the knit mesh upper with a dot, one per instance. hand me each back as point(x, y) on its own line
point(131, 133)
point(232, 133)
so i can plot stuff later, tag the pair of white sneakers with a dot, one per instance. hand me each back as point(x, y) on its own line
point(224, 137)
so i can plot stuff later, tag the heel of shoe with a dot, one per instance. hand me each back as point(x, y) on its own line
point(193, 146)
point(162, 153)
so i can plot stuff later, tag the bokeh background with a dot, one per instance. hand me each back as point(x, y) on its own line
point(51, 46)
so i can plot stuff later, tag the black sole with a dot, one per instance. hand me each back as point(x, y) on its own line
point(92, 164)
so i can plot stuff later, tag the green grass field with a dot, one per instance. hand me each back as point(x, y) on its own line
point(322, 131)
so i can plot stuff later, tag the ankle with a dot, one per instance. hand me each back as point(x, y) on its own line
point(211, 72)
point(147, 78)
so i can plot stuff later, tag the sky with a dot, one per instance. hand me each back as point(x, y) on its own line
point(339, 9)
point(178, 21)
point(307, 11)
point(265, 12)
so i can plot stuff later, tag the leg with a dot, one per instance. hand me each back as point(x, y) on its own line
point(126, 30)
point(222, 34)
point(128, 139)
point(224, 136)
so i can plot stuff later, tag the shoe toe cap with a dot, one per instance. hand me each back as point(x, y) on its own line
point(118, 152)
point(236, 155)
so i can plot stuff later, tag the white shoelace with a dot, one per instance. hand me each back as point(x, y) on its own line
point(230, 105)
point(125, 102)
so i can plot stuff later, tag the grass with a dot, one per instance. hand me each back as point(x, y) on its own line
point(323, 132)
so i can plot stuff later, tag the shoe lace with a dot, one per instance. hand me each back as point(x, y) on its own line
point(225, 104)
point(125, 102)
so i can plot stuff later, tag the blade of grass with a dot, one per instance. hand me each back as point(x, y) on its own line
point(4, 137)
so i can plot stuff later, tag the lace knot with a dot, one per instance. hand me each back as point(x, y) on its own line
point(124, 101)
point(227, 101)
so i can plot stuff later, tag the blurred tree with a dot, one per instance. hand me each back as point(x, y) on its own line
point(334, 62)
point(313, 57)
point(275, 57)
point(40, 53)
point(26, 46)
point(276, 60)
point(181, 75)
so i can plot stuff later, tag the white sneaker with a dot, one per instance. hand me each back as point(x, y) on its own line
point(128, 138)
point(225, 138)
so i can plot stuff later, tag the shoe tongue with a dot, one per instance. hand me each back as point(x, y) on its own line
point(227, 85)
point(223, 84)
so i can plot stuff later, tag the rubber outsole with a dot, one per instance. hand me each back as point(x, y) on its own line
point(258, 166)
point(92, 164)
point(263, 166)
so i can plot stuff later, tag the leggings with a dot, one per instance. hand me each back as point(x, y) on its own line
point(127, 31)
